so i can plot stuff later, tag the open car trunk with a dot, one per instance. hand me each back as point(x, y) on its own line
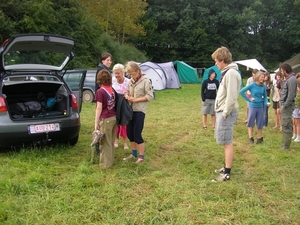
point(36, 100)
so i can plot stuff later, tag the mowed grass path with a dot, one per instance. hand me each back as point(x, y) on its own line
point(58, 185)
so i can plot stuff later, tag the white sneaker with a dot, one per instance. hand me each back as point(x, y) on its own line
point(297, 139)
point(294, 136)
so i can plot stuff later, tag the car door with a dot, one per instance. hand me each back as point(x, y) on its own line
point(75, 80)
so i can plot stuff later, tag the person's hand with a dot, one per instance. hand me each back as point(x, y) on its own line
point(252, 99)
point(268, 104)
point(132, 99)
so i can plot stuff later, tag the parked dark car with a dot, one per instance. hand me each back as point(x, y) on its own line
point(37, 106)
point(88, 85)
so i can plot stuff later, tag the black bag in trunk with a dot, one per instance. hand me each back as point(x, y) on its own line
point(25, 109)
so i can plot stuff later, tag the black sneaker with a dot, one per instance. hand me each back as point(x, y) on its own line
point(260, 140)
point(222, 177)
point(251, 140)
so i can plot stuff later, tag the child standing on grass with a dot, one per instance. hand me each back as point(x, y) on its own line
point(296, 112)
point(226, 107)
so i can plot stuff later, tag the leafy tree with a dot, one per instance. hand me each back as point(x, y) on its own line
point(119, 18)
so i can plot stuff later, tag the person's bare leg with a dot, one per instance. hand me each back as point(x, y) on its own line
point(141, 151)
point(141, 148)
point(133, 145)
point(279, 119)
point(229, 153)
point(250, 132)
point(213, 121)
point(204, 120)
point(259, 133)
point(298, 126)
point(125, 143)
point(276, 118)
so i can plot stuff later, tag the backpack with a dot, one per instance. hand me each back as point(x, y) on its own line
point(124, 112)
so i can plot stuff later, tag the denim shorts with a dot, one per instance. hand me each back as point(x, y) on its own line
point(296, 114)
point(224, 127)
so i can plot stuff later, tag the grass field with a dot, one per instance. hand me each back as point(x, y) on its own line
point(58, 185)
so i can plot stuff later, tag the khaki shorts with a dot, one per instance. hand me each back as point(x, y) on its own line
point(208, 107)
point(224, 127)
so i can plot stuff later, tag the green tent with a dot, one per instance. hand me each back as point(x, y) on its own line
point(186, 73)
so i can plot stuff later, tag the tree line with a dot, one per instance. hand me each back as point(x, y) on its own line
point(162, 31)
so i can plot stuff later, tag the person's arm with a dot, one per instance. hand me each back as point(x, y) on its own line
point(233, 84)
point(265, 96)
point(203, 89)
point(147, 97)
point(292, 91)
point(97, 115)
point(243, 90)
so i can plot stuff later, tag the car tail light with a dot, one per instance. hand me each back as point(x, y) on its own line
point(3, 107)
point(74, 102)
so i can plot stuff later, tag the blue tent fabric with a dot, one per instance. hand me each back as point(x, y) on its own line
point(207, 72)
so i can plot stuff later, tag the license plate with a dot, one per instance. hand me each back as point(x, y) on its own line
point(43, 128)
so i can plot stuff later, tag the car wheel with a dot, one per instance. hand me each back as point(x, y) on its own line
point(74, 140)
point(88, 96)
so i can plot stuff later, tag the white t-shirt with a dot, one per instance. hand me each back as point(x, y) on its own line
point(120, 88)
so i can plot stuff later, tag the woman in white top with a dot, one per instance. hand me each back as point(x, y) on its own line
point(120, 84)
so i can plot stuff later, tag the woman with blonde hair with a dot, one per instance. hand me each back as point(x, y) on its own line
point(257, 103)
point(120, 84)
point(139, 93)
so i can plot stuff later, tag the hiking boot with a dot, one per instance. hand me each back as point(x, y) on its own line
point(222, 170)
point(251, 140)
point(222, 177)
point(260, 140)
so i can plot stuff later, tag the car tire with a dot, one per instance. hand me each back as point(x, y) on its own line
point(88, 96)
point(73, 141)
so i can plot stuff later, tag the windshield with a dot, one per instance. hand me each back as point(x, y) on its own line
point(34, 57)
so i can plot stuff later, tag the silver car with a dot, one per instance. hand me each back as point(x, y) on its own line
point(37, 106)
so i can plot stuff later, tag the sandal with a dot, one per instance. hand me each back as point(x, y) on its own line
point(139, 160)
point(205, 128)
point(128, 157)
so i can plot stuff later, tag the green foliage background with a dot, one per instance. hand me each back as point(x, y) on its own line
point(168, 30)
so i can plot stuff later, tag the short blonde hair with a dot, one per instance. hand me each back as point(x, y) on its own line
point(119, 67)
point(222, 54)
